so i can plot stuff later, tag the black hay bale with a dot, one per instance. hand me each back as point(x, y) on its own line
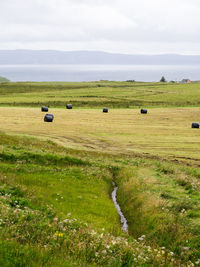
point(69, 106)
point(48, 118)
point(44, 109)
point(195, 125)
point(105, 110)
point(143, 111)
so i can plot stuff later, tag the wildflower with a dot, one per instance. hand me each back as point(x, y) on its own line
point(93, 232)
point(149, 249)
point(171, 253)
point(69, 214)
point(185, 248)
point(59, 234)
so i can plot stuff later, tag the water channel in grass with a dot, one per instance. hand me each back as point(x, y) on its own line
point(122, 217)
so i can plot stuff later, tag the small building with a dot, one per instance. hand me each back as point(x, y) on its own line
point(186, 81)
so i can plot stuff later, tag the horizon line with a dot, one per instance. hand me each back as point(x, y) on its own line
point(102, 51)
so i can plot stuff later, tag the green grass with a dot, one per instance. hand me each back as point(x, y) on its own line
point(61, 213)
point(69, 184)
point(98, 94)
point(161, 201)
point(3, 79)
point(55, 190)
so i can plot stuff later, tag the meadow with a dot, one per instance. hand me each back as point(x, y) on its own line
point(98, 94)
point(56, 178)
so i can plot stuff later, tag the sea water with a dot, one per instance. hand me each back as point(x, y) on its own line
point(78, 73)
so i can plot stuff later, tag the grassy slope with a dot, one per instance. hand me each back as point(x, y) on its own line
point(3, 79)
point(50, 205)
point(160, 200)
point(70, 185)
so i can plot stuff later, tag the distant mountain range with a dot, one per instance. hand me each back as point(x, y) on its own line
point(92, 57)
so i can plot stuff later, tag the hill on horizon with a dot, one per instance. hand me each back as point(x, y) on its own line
point(3, 79)
point(92, 57)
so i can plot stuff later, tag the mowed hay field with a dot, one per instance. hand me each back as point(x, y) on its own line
point(166, 133)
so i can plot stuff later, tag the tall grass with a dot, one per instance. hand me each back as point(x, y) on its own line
point(155, 205)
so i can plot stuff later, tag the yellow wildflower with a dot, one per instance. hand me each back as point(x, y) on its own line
point(59, 234)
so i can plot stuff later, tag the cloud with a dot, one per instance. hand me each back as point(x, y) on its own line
point(101, 24)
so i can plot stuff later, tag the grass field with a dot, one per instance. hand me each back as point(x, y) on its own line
point(98, 94)
point(56, 178)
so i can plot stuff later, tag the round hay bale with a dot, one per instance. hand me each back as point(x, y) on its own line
point(105, 110)
point(48, 118)
point(143, 111)
point(69, 106)
point(44, 109)
point(195, 125)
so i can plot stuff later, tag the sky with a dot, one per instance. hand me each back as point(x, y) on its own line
point(117, 26)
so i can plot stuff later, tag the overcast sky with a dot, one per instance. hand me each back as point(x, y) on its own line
point(125, 26)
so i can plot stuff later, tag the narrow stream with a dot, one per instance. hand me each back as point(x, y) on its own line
point(123, 219)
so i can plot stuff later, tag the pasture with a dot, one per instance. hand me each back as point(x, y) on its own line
point(98, 94)
point(56, 178)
